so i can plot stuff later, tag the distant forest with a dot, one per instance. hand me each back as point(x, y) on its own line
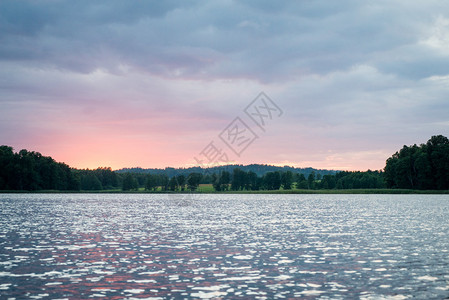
point(424, 167)
point(259, 169)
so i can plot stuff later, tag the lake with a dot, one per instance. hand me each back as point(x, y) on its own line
point(156, 246)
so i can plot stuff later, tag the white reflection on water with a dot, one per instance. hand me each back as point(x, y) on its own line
point(208, 246)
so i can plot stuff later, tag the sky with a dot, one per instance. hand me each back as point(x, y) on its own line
point(176, 83)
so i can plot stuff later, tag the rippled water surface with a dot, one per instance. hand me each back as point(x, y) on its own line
point(230, 246)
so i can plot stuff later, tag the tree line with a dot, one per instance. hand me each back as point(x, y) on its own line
point(413, 167)
point(31, 171)
point(239, 180)
point(424, 167)
point(259, 169)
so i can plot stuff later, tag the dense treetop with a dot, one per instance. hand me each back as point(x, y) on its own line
point(424, 167)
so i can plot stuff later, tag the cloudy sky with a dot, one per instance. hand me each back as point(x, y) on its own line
point(153, 84)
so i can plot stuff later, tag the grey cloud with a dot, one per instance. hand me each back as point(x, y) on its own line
point(266, 41)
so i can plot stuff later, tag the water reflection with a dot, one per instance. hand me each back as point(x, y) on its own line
point(209, 246)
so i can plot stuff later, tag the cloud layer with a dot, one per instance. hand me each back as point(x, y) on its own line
point(124, 84)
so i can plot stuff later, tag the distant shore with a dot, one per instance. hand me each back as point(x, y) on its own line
point(208, 191)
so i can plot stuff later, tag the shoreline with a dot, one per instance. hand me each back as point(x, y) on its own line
point(294, 191)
